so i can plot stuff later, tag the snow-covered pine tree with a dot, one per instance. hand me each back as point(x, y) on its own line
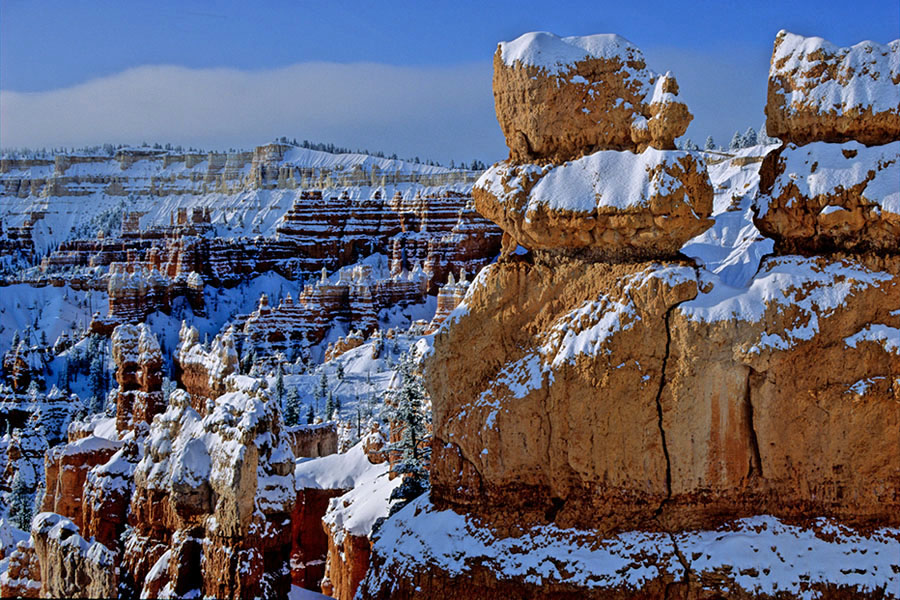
point(329, 407)
point(20, 503)
point(737, 141)
point(710, 144)
point(750, 137)
point(292, 408)
point(340, 371)
point(279, 384)
point(408, 413)
point(321, 389)
point(95, 377)
point(310, 415)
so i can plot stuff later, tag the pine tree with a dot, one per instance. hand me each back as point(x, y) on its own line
point(408, 413)
point(96, 378)
point(710, 144)
point(321, 389)
point(279, 384)
point(340, 371)
point(20, 504)
point(292, 408)
point(737, 141)
point(329, 407)
point(749, 137)
point(310, 416)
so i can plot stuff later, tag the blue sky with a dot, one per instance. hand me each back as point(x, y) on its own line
point(405, 77)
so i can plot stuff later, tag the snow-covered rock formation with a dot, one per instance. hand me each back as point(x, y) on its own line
point(559, 98)
point(640, 429)
point(819, 92)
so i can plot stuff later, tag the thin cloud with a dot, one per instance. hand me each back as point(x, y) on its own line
point(442, 113)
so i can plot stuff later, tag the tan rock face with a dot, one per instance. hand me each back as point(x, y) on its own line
point(347, 564)
point(825, 197)
point(560, 98)
point(558, 419)
point(71, 567)
point(783, 400)
point(819, 92)
point(593, 405)
point(67, 468)
point(608, 205)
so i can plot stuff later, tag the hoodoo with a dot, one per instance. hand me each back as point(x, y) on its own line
point(634, 426)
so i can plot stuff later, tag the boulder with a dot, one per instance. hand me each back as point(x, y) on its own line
point(609, 205)
point(825, 197)
point(819, 92)
point(559, 98)
point(71, 567)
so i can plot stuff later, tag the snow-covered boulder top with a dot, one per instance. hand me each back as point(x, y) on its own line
point(559, 98)
point(609, 204)
point(135, 344)
point(821, 197)
point(553, 54)
point(822, 92)
point(234, 461)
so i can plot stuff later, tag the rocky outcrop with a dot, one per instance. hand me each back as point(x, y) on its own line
point(342, 496)
point(819, 92)
point(107, 494)
point(22, 579)
point(448, 298)
point(215, 491)
point(71, 567)
point(67, 468)
point(825, 197)
point(203, 372)
point(139, 364)
point(641, 429)
point(760, 557)
point(313, 441)
point(608, 205)
point(559, 98)
point(524, 434)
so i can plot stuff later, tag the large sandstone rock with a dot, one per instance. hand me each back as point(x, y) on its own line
point(824, 197)
point(782, 399)
point(819, 92)
point(71, 567)
point(605, 397)
point(558, 419)
point(609, 205)
point(559, 98)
